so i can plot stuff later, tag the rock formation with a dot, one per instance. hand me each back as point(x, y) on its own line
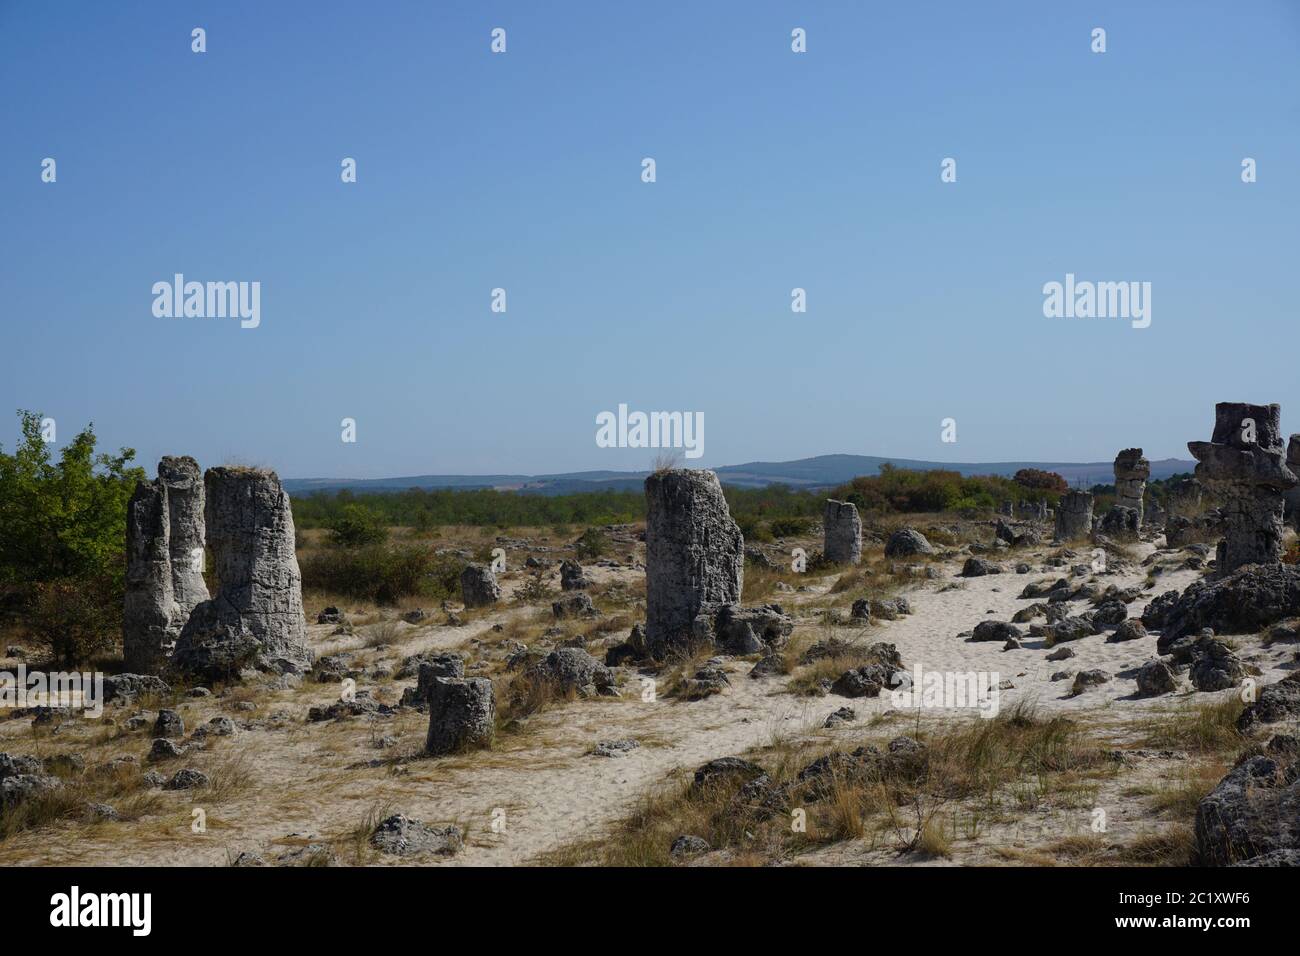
point(256, 617)
point(149, 600)
point(1074, 516)
point(462, 714)
point(478, 586)
point(164, 573)
point(1292, 496)
point(843, 532)
point(1131, 474)
point(186, 524)
point(1244, 466)
point(695, 555)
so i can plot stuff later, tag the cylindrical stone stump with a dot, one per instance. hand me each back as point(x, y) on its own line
point(462, 715)
point(1074, 516)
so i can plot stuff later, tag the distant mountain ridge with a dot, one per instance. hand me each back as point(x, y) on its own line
point(822, 471)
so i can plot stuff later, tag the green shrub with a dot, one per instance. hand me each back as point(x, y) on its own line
point(790, 527)
point(382, 574)
point(591, 544)
point(355, 527)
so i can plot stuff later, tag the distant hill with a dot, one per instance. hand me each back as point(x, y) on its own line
point(823, 471)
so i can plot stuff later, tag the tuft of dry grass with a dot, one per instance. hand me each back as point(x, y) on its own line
point(1206, 729)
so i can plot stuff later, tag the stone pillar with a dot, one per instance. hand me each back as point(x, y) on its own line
point(695, 555)
point(843, 532)
point(1131, 474)
point(1244, 466)
point(149, 603)
point(256, 617)
point(185, 498)
point(1292, 496)
point(1074, 516)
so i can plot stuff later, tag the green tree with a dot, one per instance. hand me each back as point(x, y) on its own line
point(357, 526)
point(66, 519)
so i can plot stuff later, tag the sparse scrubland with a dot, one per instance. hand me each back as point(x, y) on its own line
point(793, 752)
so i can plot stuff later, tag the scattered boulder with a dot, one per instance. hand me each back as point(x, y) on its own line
point(1215, 666)
point(187, 778)
point(1129, 630)
point(1086, 680)
point(573, 670)
point(573, 577)
point(906, 542)
point(1254, 812)
point(688, 845)
point(575, 605)
point(400, 835)
point(752, 630)
point(1276, 702)
point(1243, 602)
point(996, 631)
point(1154, 678)
point(169, 724)
point(478, 586)
point(978, 567)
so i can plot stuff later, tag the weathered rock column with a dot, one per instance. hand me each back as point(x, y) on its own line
point(1131, 474)
point(185, 499)
point(1074, 516)
point(1292, 496)
point(843, 532)
point(149, 603)
point(256, 617)
point(1244, 465)
point(695, 555)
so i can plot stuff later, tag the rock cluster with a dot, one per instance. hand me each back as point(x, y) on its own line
point(1244, 466)
point(843, 532)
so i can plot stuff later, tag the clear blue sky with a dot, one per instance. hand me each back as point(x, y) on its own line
point(522, 170)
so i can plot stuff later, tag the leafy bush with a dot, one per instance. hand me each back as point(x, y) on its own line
point(75, 620)
point(789, 527)
point(355, 527)
point(591, 544)
point(382, 574)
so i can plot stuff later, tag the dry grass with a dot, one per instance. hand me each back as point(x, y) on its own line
point(1205, 729)
point(905, 804)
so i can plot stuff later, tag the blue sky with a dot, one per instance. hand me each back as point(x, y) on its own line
point(775, 170)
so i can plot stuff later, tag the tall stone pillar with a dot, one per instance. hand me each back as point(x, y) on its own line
point(185, 499)
point(1131, 474)
point(149, 605)
point(695, 555)
point(1244, 466)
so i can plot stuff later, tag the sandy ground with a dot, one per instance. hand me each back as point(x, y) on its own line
point(540, 790)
